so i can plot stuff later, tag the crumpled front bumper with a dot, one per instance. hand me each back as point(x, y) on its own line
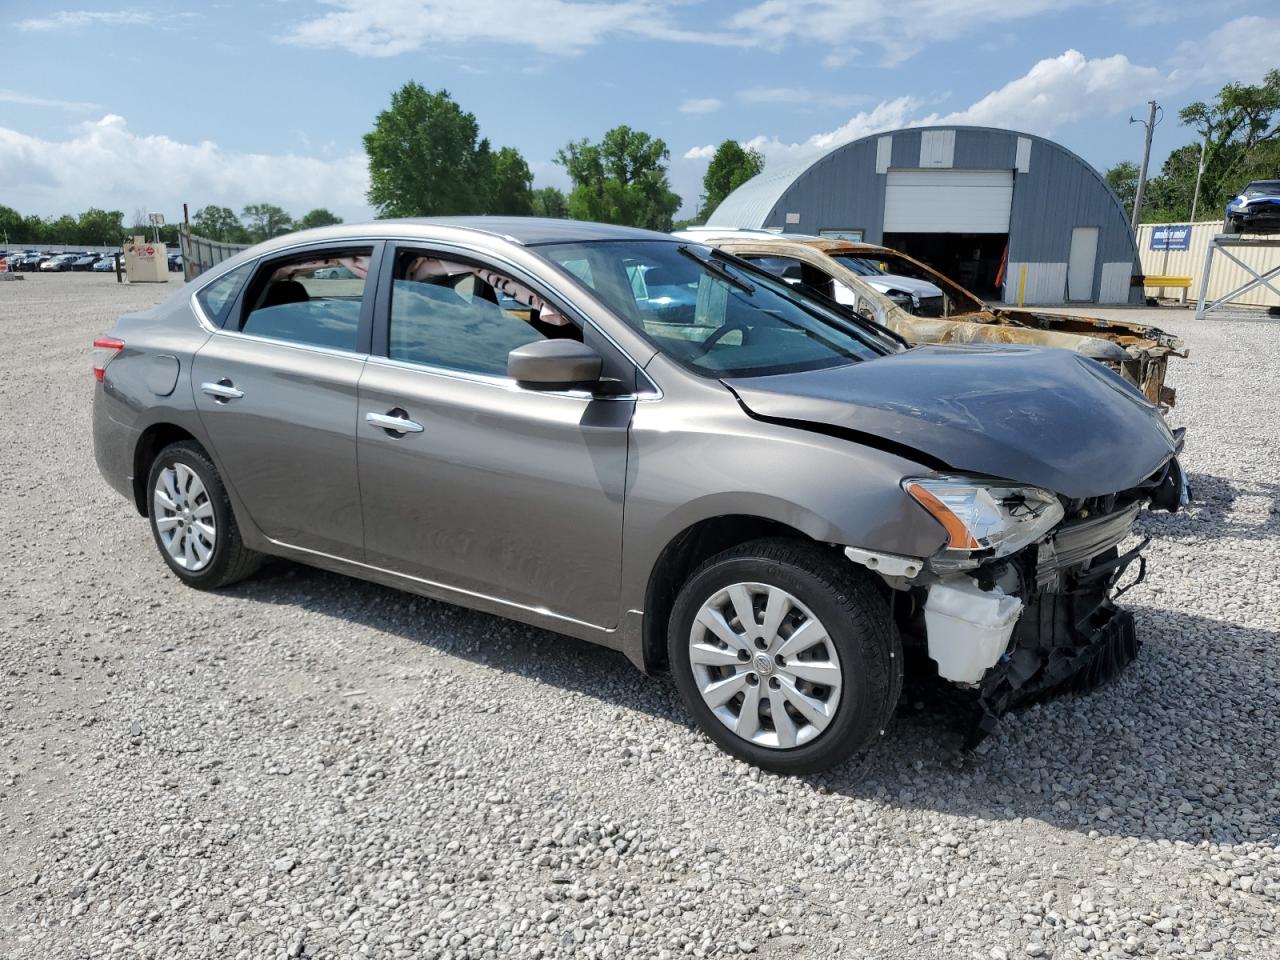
point(1066, 641)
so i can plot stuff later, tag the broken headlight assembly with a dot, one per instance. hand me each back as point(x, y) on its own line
point(983, 518)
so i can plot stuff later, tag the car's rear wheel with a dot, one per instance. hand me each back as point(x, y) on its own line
point(785, 654)
point(192, 520)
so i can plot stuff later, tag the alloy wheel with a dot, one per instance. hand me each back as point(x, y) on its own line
point(765, 665)
point(184, 517)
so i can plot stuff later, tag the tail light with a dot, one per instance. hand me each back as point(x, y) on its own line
point(104, 350)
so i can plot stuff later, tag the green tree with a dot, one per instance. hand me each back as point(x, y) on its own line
point(730, 168)
point(1240, 131)
point(510, 184)
point(320, 217)
point(63, 230)
point(426, 156)
point(550, 202)
point(622, 179)
point(265, 220)
point(100, 226)
point(13, 228)
point(219, 223)
point(37, 229)
point(1123, 179)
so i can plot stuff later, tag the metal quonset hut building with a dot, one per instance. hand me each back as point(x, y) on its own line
point(957, 198)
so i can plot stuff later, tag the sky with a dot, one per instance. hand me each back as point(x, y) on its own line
point(230, 103)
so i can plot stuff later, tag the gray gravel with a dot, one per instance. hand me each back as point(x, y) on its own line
point(305, 765)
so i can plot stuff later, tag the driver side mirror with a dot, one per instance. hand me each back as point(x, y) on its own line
point(554, 365)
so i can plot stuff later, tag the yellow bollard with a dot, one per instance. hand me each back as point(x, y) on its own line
point(1022, 283)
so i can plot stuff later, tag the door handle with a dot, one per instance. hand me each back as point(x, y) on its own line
point(222, 391)
point(393, 421)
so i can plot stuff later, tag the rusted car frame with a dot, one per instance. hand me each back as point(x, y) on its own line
point(1138, 352)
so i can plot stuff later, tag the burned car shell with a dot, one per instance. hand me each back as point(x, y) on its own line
point(1139, 353)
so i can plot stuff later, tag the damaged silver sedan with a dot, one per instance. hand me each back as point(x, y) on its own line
point(651, 445)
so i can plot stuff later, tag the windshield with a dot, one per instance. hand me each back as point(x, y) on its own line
point(1262, 188)
point(713, 316)
point(861, 265)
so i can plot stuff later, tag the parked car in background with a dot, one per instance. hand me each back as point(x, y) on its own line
point(752, 487)
point(58, 263)
point(104, 264)
point(913, 294)
point(1255, 210)
point(175, 262)
point(833, 268)
point(84, 262)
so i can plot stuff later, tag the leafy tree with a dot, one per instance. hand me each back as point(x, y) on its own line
point(426, 156)
point(622, 179)
point(37, 229)
point(219, 223)
point(100, 226)
point(12, 227)
point(1123, 179)
point(510, 184)
point(63, 230)
point(320, 217)
point(550, 202)
point(1240, 131)
point(730, 167)
point(265, 220)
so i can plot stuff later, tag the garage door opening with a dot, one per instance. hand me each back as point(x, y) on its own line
point(972, 260)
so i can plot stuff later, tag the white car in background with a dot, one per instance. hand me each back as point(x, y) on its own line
point(912, 295)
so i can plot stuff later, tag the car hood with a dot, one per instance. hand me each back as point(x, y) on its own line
point(1034, 415)
point(893, 281)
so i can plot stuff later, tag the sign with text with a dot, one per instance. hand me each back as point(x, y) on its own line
point(1171, 236)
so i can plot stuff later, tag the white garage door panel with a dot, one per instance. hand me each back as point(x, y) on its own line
point(948, 201)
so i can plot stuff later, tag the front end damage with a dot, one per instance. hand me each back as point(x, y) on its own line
point(1038, 622)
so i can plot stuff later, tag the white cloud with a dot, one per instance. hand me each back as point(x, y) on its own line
point(1060, 90)
point(1242, 50)
point(384, 28)
point(26, 100)
point(105, 164)
point(887, 115)
point(700, 153)
point(899, 29)
point(701, 105)
point(800, 96)
point(71, 19)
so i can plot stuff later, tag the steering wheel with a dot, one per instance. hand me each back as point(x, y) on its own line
point(720, 334)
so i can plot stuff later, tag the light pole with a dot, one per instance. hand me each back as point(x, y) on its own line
point(1195, 197)
point(1150, 124)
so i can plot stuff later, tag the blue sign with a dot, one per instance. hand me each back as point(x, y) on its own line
point(1171, 236)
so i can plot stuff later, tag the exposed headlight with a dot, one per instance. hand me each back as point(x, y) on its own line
point(981, 515)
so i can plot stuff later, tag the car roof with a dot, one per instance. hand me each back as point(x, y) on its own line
point(529, 231)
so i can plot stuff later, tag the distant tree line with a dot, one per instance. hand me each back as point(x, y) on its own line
point(94, 227)
point(256, 222)
point(1240, 131)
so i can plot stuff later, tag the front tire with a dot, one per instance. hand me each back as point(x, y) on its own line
point(192, 521)
point(785, 654)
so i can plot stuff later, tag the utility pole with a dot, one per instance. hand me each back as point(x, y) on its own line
point(1195, 197)
point(1150, 124)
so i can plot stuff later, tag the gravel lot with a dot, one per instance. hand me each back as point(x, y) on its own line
point(305, 765)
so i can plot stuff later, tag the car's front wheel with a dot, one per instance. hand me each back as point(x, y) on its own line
point(785, 654)
point(192, 520)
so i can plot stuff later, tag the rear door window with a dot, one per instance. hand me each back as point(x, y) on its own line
point(312, 299)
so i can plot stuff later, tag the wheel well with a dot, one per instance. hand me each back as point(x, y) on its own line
point(154, 439)
point(684, 554)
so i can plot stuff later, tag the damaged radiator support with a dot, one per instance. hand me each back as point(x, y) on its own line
point(1070, 638)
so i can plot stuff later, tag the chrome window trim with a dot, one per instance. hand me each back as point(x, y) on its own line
point(504, 383)
point(579, 313)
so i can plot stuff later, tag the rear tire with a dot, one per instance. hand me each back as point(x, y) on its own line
point(192, 521)
point(820, 647)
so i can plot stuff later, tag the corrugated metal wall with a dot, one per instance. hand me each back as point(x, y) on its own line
point(842, 190)
point(1190, 263)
